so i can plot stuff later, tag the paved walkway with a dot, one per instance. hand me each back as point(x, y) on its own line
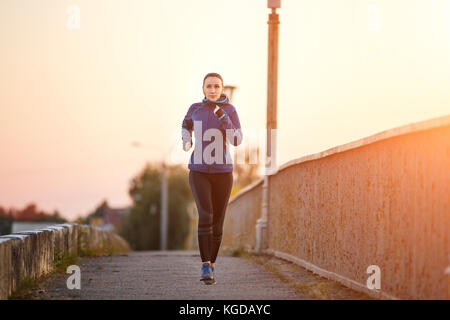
point(175, 275)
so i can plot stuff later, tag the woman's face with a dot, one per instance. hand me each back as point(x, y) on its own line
point(212, 88)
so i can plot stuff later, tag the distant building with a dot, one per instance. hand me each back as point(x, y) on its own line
point(110, 219)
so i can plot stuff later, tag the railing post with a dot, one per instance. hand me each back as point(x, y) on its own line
point(261, 223)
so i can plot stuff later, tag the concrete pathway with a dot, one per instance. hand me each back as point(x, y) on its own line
point(175, 275)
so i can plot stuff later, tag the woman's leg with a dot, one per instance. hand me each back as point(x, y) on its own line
point(201, 190)
point(221, 190)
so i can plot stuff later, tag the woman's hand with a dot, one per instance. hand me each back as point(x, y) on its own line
point(187, 139)
point(218, 111)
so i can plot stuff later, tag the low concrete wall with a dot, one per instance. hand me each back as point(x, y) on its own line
point(240, 220)
point(21, 226)
point(383, 200)
point(31, 254)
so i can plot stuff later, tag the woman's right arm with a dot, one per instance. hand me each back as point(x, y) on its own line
point(186, 129)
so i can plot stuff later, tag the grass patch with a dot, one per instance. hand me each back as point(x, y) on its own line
point(315, 289)
point(103, 250)
point(64, 259)
point(274, 270)
point(240, 252)
point(28, 286)
point(319, 289)
point(262, 260)
point(24, 288)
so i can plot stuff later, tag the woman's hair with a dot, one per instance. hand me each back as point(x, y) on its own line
point(213, 74)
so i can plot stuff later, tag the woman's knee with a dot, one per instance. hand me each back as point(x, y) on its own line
point(217, 237)
point(205, 224)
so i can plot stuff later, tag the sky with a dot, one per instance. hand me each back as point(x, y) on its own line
point(81, 80)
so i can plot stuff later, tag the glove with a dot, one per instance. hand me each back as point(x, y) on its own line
point(187, 145)
point(187, 139)
point(218, 111)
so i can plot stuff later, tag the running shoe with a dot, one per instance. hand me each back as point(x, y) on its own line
point(213, 281)
point(206, 272)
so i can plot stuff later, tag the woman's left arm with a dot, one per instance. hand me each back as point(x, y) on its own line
point(231, 125)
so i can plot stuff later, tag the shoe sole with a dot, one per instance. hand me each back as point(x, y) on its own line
point(207, 279)
point(210, 282)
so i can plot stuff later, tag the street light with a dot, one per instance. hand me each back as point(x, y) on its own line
point(164, 194)
point(229, 90)
point(271, 125)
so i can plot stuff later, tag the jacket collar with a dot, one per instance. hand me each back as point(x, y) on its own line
point(221, 101)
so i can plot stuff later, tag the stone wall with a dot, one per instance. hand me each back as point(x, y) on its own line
point(31, 254)
point(382, 200)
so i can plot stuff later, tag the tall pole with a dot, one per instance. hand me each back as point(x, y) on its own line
point(164, 223)
point(271, 124)
point(164, 199)
point(164, 217)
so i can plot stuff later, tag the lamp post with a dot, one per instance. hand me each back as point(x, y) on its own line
point(229, 90)
point(271, 124)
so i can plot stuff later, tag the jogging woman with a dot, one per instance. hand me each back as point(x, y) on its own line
point(215, 124)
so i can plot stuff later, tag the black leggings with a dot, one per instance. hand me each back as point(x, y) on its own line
point(211, 192)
